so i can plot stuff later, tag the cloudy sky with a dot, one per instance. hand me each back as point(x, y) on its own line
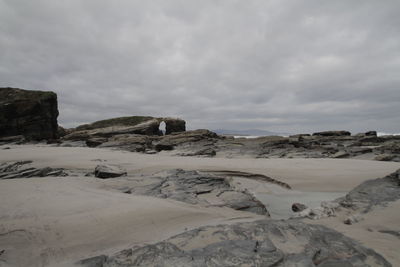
point(280, 65)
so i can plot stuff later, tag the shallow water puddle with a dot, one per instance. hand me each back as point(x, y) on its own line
point(280, 205)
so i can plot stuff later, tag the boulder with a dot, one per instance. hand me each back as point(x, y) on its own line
point(297, 207)
point(332, 133)
point(32, 114)
point(108, 171)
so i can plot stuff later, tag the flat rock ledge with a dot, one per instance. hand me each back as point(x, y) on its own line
point(260, 243)
point(196, 187)
point(24, 169)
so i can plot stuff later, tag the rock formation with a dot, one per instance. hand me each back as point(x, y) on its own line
point(260, 243)
point(143, 125)
point(192, 186)
point(32, 114)
point(24, 169)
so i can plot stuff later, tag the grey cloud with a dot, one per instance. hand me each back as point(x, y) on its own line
point(296, 66)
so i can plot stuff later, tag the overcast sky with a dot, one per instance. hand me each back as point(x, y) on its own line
point(280, 65)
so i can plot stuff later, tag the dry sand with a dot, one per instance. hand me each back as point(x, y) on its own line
point(44, 221)
point(322, 175)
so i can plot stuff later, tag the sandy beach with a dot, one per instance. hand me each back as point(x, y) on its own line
point(54, 221)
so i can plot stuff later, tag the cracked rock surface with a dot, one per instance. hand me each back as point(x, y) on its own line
point(24, 169)
point(260, 243)
point(196, 187)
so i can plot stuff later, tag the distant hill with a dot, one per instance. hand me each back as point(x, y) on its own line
point(249, 132)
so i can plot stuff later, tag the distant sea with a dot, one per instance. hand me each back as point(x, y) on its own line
point(256, 136)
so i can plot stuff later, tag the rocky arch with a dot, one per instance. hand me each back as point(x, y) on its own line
point(173, 125)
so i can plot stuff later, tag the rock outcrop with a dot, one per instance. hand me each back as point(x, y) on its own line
point(143, 125)
point(24, 169)
point(260, 243)
point(373, 192)
point(193, 187)
point(32, 114)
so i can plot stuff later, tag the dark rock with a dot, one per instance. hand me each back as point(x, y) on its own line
point(371, 133)
point(32, 114)
point(62, 131)
point(108, 171)
point(297, 207)
point(163, 146)
point(94, 142)
point(13, 139)
point(260, 243)
point(24, 169)
point(332, 133)
point(173, 125)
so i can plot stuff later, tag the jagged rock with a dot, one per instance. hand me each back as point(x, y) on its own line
point(32, 114)
point(190, 186)
point(108, 171)
point(24, 169)
point(332, 133)
point(260, 243)
point(371, 133)
point(297, 207)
